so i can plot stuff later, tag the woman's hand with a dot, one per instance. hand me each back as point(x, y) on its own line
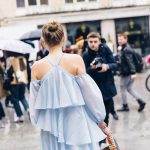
point(107, 131)
point(104, 128)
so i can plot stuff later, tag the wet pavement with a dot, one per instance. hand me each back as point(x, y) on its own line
point(132, 130)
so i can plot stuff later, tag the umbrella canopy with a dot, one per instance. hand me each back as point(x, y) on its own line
point(29, 42)
point(16, 46)
point(32, 35)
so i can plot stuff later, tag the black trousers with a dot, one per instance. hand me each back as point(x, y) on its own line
point(2, 113)
point(17, 94)
point(108, 107)
point(112, 108)
point(8, 100)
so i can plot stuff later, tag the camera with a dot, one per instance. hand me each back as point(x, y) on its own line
point(98, 61)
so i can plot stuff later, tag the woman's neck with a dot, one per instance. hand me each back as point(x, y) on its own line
point(55, 51)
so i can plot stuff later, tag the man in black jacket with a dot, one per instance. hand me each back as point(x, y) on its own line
point(42, 52)
point(128, 73)
point(99, 63)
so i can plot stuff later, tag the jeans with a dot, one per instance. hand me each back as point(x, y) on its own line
point(126, 85)
point(17, 94)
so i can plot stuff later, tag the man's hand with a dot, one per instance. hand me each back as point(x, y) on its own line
point(133, 76)
point(104, 67)
point(93, 66)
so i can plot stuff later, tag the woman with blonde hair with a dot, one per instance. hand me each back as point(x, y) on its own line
point(65, 103)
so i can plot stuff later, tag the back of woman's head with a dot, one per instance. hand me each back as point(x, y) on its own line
point(53, 33)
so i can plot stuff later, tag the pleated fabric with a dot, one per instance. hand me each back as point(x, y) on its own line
point(67, 109)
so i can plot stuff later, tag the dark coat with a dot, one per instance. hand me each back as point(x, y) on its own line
point(127, 66)
point(105, 80)
point(41, 54)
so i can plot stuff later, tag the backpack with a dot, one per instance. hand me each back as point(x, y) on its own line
point(138, 62)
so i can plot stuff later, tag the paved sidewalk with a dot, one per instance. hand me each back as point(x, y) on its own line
point(132, 130)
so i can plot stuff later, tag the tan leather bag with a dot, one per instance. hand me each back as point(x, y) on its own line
point(20, 74)
point(3, 93)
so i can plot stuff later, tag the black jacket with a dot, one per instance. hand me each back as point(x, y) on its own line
point(41, 54)
point(105, 80)
point(127, 66)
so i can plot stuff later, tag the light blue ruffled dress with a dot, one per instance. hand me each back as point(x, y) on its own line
point(67, 109)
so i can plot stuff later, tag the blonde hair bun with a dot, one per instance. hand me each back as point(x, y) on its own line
point(52, 27)
point(53, 33)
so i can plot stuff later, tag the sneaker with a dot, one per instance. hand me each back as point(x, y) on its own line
point(115, 116)
point(19, 120)
point(141, 107)
point(9, 106)
point(1, 124)
point(124, 108)
point(29, 116)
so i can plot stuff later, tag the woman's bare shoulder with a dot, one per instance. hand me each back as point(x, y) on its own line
point(73, 57)
point(38, 66)
point(77, 61)
point(35, 65)
point(35, 68)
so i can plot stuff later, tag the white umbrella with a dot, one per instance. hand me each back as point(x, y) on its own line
point(32, 35)
point(16, 46)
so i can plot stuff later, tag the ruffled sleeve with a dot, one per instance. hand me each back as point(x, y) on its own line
point(92, 97)
point(34, 88)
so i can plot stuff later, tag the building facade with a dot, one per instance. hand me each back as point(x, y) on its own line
point(108, 17)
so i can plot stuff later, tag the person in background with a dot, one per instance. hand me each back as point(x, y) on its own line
point(42, 52)
point(65, 102)
point(113, 111)
point(67, 47)
point(100, 63)
point(2, 115)
point(3, 93)
point(127, 74)
point(17, 73)
point(148, 59)
point(8, 102)
point(81, 47)
point(81, 32)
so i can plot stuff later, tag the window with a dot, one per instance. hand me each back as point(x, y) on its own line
point(32, 2)
point(79, 30)
point(137, 30)
point(80, 0)
point(69, 1)
point(44, 2)
point(20, 3)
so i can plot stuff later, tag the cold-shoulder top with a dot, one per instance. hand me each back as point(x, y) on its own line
point(67, 106)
